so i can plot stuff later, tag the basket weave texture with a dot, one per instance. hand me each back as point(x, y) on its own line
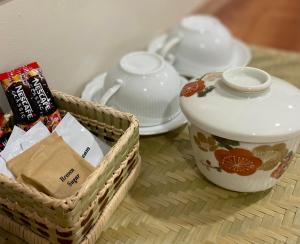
point(70, 220)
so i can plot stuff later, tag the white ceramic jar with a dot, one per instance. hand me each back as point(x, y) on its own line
point(245, 127)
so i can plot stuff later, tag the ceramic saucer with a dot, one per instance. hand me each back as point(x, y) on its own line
point(93, 91)
point(241, 58)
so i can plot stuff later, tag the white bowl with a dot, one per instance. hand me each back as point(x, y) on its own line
point(93, 91)
point(200, 44)
point(145, 85)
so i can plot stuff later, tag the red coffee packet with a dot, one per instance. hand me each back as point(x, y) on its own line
point(42, 95)
point(24, 109)
point(5, 131)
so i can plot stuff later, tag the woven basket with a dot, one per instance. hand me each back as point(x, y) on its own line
point(36, 217)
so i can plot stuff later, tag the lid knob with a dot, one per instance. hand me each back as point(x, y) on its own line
point(247, 79)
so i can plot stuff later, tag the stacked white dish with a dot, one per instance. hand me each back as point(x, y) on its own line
point(147, 84)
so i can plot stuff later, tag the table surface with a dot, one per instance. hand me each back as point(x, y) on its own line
point(172, 203)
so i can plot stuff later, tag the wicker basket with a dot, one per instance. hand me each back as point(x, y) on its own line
point(36, 217)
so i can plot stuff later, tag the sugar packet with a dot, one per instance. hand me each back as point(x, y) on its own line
point(22, 158)
point(52, 167)
point(4, 170)
point(81, 140)
point(34, 135)
point(16, 133)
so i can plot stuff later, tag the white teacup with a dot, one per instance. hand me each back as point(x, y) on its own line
point(199, 44)
point(145, 85)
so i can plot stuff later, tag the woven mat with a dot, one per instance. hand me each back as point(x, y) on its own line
point(172, 203)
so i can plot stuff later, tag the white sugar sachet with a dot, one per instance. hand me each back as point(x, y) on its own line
point(81, 140)
point(15, 135)
point(37, 133)
point(4, 170)
point(11, 151)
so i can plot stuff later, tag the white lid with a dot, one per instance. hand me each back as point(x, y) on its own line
point(243, 104)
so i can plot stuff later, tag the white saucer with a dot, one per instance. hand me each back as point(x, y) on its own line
point(173, 124)
point(242, 56)
point(93, 92)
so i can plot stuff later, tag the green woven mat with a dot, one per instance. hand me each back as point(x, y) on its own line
point(172, 203)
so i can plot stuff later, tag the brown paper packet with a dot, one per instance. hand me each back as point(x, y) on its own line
point(55, 169)
point(17, 164)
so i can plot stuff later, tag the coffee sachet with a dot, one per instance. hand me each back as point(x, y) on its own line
point(42, 95)
point(5, 131)
point(24, 109)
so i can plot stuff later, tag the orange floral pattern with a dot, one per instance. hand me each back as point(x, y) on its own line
point(205, 143)
point(232, 158)
point(191, 88)
point(238, 161)
point(270, 155)
point(282, 167)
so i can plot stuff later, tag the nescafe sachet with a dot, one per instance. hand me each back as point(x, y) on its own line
point(25, 111)
point(5, 131)
point(42, 95)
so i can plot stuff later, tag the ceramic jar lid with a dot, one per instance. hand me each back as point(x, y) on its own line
point(243, 104)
